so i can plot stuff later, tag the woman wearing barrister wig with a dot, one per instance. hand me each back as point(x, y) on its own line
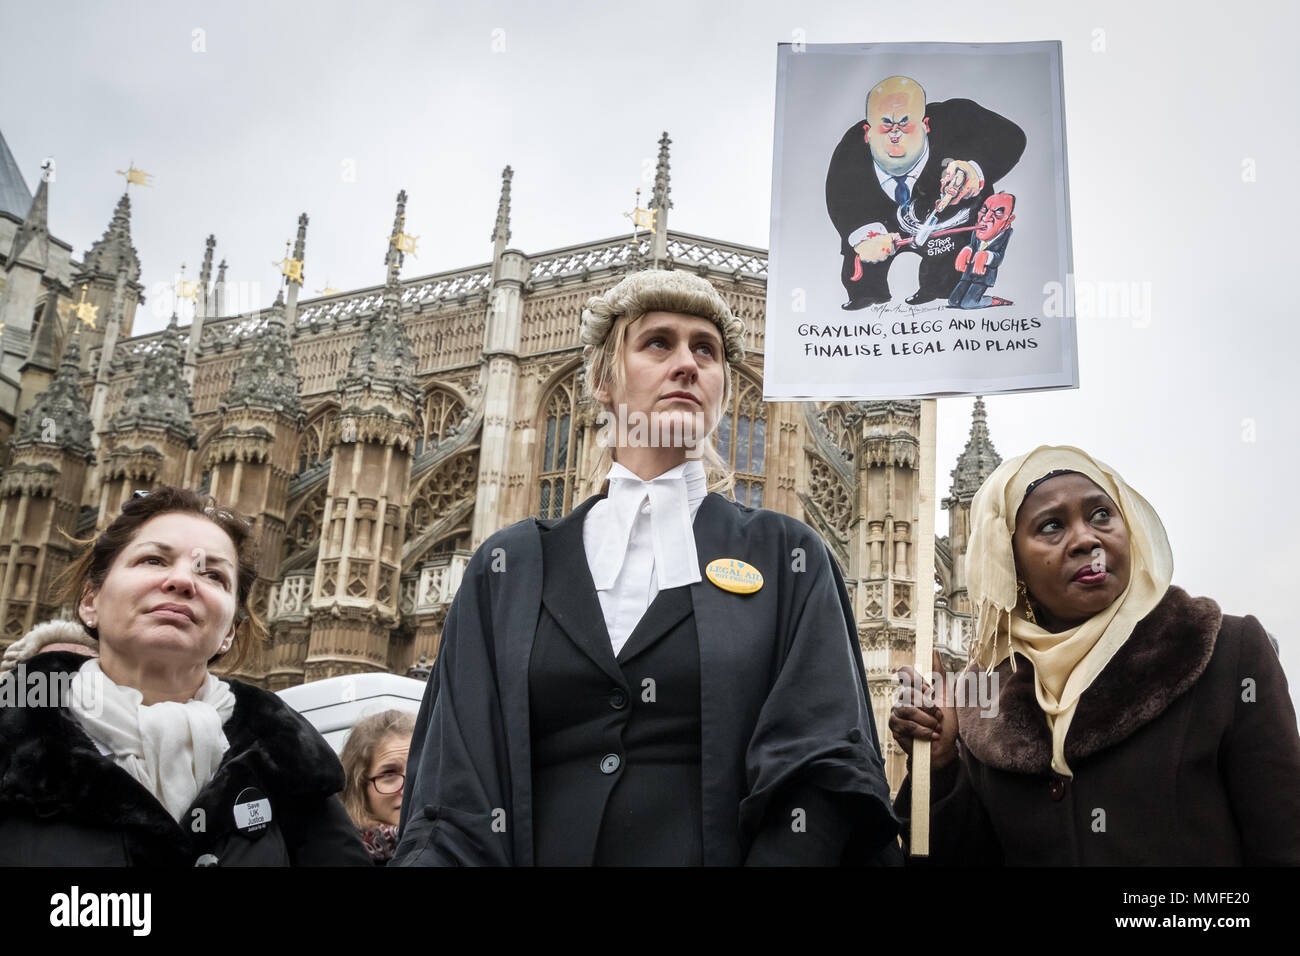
point(613, 687)
point(1135, 724)
point(149, 759)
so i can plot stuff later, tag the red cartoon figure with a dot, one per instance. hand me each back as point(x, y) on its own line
point(978, 262)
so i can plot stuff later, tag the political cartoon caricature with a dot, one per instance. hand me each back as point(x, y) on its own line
point(889, 273)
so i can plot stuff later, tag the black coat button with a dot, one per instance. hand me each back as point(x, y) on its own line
point(1056, 789)
point(610, 763)
point(617, 699)
point(855, 735)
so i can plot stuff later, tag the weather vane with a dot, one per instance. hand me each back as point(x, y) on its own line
point(405, 244)
point(641, 218)
point(186, 289)
point(290, 268)
point(135, 176)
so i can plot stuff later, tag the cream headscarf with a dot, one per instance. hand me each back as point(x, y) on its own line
point(1065, 664)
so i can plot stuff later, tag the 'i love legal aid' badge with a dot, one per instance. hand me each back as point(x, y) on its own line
point(732, 574)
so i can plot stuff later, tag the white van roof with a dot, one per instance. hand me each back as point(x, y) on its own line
point(334, 705)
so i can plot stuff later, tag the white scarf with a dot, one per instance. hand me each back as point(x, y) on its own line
point(672, 528)
point(171, 749)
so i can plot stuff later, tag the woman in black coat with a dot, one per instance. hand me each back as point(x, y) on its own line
point(1130, 723)
point(664, 675)
point(140, 756)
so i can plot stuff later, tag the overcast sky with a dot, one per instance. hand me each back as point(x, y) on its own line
point(1182, 154)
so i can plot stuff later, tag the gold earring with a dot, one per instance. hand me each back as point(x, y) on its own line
point(1024, 596)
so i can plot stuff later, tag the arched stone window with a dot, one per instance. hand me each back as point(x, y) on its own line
point(312, 448)
point(742, 440)
point(558, 469)
point(442, 410)
point(304, 529)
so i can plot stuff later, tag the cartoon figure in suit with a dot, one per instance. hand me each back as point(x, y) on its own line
point(978, 262)
point(912, 169)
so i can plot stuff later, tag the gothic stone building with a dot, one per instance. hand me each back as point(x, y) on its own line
point(378, 436)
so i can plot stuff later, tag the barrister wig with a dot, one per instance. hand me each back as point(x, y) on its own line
point(656, 290)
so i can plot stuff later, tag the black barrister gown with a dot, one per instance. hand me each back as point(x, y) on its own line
point(535, 745)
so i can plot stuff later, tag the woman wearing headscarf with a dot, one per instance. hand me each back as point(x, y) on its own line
point(141, 755)
point(1133, 723)
point(664, 676)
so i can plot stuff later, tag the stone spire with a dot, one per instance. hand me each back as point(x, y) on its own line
point(268, 375)
point(660, 198)
point(44, 354)
point(661, 202)
point(200, 311)
point(32, 241)
point(205, 273)
point(110, 276)
point(60, 416)
point(978, 460)
point(159, 398)
point(393, 256)
point(114, 246)
point(385, 356)
point(15, 197)
point(110, 330)
point(219, 292)
point(501, 231)
point(299, 245)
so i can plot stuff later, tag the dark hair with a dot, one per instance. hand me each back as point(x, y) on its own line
point(359, 751)
point(90, 569)
point(1029, 489)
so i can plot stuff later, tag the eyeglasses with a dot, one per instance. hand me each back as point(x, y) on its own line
point(390, 782)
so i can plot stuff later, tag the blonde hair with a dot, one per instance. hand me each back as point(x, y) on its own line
point(359, 750)
point(605, 370)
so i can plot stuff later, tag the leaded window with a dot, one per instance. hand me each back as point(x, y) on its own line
point(742, 440)
point(558, 469)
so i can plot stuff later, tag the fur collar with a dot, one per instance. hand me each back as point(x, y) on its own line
point(1166, 653)
point(50, 632)
point(50, 768)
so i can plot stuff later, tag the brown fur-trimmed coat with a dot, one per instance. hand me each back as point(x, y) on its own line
point(1174, 763)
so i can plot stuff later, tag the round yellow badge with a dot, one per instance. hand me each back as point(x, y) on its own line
point(732, 574)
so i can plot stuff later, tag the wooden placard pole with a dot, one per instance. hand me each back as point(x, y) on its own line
point(923, 606)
